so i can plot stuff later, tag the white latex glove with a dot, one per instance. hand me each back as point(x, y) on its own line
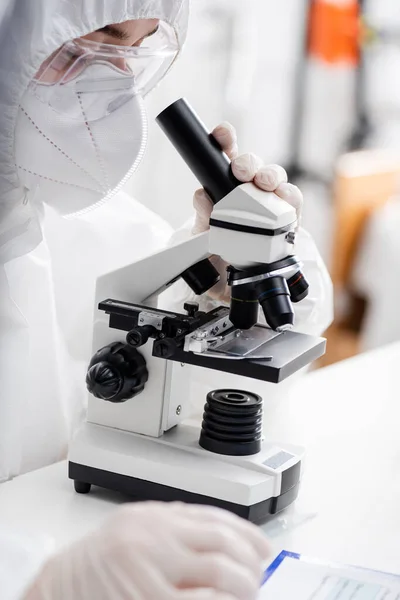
point(156, 551)
point(246, 168)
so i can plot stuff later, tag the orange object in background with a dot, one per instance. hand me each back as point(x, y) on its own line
point(335, 31)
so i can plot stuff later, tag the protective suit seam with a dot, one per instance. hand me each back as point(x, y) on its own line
point(58, 148)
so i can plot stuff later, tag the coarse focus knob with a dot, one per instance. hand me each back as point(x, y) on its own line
point(116, 373)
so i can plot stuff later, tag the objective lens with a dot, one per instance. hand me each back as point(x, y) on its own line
point(201, 277)
point(244, 307)
point(298, 287)
point(274, 297)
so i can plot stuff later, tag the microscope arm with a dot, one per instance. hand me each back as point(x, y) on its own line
point(143, 281)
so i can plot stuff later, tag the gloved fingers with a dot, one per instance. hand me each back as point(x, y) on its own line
point(146, 580)
point(226, 136)
point(248, 531)
point(203, 206)
point(246, 166)
point(293, 196)
point(218, 572)
point(221, 539)
point(270, 177)
point(156, 563)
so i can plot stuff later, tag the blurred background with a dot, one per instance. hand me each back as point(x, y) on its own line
point(313, 85)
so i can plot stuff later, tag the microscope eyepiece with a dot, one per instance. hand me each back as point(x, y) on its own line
point(199, 149)
point(208, 163)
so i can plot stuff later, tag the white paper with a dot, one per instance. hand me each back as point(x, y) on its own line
point(295, 577)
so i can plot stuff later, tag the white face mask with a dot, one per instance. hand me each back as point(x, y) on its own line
point(79, 155)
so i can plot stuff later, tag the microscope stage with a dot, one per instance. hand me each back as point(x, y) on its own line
point(286, 354)
point(266, 355)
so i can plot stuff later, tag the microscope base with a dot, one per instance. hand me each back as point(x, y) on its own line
point(175, 468)
point(84, 477)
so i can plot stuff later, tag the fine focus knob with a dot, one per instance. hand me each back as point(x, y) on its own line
point(116, 373)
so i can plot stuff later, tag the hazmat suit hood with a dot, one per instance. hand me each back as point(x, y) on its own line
point(31, 31)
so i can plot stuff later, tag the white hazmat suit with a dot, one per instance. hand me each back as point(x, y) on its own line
point(36, 372)
point(48, 266)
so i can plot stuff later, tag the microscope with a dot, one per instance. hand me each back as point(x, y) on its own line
point(137, 438)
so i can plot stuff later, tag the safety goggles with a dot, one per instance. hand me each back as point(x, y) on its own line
point(82, 68)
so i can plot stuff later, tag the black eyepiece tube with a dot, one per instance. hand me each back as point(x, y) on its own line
point(199, 149)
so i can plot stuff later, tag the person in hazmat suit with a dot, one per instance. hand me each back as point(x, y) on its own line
point(72, 130)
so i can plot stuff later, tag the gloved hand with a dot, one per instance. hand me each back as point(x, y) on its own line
point(246, 168)
point(152, 551)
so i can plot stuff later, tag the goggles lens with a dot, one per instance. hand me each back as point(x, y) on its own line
point(82, 68)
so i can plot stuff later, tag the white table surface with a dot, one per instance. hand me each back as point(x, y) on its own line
point(348, 417)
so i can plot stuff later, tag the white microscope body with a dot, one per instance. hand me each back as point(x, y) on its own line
point(136, 438)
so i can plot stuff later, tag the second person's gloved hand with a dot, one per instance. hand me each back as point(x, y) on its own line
point(155, 551)
point(246, 168)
